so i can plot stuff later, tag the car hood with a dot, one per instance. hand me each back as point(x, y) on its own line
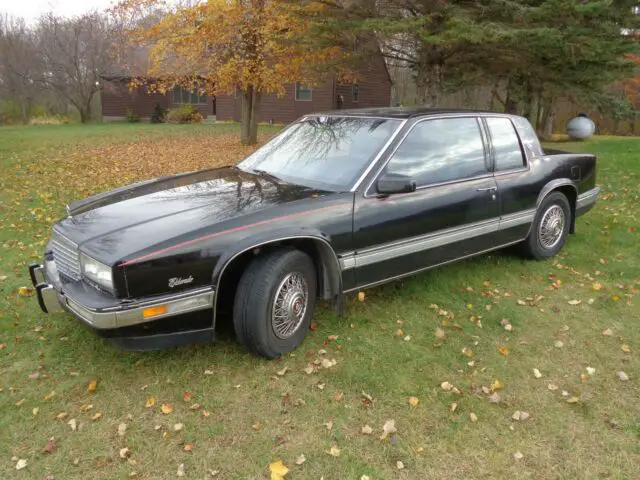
point(151, 212)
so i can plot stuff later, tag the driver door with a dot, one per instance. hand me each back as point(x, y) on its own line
point(453, 213)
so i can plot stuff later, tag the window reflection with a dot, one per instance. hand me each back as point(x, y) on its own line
point(323, 152)
point(440, 150)
point(506, 145)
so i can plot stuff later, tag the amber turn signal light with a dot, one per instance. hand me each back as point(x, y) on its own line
point(154, 311)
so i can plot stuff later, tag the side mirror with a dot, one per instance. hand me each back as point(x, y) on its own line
point(389, 183)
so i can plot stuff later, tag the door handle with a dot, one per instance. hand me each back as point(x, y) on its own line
point(488, 189)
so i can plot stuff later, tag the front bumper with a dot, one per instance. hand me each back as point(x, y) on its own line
point(130, 323)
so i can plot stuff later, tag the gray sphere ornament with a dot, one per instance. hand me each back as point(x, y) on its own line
point(580, 128)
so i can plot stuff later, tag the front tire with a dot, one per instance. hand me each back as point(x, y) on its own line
point(550, 227)
point(274, 302)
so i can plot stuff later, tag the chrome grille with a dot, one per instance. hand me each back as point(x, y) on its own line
point(65, 256)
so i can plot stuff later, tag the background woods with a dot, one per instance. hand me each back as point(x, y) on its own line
point(545, 59)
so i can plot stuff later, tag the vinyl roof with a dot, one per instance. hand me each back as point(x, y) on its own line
point(397, 112)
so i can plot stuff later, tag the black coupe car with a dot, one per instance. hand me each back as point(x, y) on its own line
point(336, 202)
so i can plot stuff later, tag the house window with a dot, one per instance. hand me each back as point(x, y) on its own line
point(303, 94)
point(182, 95)
point(355, 93)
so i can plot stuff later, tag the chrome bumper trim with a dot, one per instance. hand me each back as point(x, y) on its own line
point(588, 198)
point(52, 299)
point(132, 314)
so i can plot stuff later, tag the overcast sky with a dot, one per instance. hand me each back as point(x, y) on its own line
point(32, 9)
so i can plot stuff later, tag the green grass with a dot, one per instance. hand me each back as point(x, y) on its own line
point(42, 168)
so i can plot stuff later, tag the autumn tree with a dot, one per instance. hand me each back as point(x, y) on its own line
point(254, 47)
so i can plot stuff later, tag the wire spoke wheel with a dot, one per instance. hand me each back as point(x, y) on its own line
point(289, 305)
point(551, 226)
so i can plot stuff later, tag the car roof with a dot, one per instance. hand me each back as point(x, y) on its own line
point(396, 112)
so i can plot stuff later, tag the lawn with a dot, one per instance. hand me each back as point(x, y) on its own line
point(223, 414)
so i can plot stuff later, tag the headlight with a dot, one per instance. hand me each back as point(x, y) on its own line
point(97, 272)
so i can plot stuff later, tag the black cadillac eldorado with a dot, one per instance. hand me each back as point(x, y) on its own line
point(335, 203)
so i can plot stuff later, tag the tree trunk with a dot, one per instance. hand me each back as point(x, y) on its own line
point(528, 101)
point(540, 112)
point(24, 112)
point(511, 103)
point(245, 128)
point(429, 79)
point(549, 121)
point(255, 114)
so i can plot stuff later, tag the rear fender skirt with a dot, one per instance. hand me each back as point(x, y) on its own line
point(332, 272)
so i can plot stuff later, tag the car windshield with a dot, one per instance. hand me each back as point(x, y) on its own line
point(323, 152)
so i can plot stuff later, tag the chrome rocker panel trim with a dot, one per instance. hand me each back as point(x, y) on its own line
point(588, 198)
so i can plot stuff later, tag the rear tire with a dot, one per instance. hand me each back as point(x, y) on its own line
point(274, 302)
point(550, 227)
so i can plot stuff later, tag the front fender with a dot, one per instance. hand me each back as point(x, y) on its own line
point(331, 269)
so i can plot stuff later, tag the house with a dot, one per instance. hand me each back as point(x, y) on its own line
point(373, 90)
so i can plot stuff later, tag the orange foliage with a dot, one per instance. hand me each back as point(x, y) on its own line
point(632, 85)
point(258, 45)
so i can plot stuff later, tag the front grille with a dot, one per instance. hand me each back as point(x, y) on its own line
point(65, 256)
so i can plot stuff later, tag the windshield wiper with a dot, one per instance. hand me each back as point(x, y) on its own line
point(264, 173)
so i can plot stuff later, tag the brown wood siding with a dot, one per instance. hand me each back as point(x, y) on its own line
point(374, 86)
point(117, 100)
point(283, 109)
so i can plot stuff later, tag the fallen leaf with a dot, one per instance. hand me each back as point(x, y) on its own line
point(281, 373)
point(334, 451)
point(399, 465)
point(50, 396)
point(366, 430)
point(625, 348)
point(73, 424)
point(440, 333)
point(125, 453)
point(122, 429)
point(559, 344)
point(19, 402)
point(300, 459)
point(365, 477)
point(496, 385)
point(553, 387)
point(453, 407)
point(622, 376)
point(151, 401)
point(473, 417)
point(326, 363)
point(536, 373)
point(494, 397)
point(329, 425)
point(166, 408)
point(503, 351)
point(208, 372)
point(574, 302)
point(50, 446)
point(194, 406)
point(34, 376)
point(520, 416)
point(518, 455)
point(407, 338)
point(591, 370)
point(308, 369)
point(61, 416)
point(508, 327)
point(607, 332)
point(35, 410)
point(414, 401)
point(388, 428)
point(572, 400)
point(338, 396)
point(93, 384)
point(96, 416)
point(361, 296)
point(597, 286)
point(22, 463)
point(467, 352)
point(446, 386)
point(178, 427)
point(180, 472)
point(188, 447)
point(24, 291)
point(186, 396)
point(86, 407)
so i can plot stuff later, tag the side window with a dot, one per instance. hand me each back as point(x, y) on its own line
point(443, 150)
point(506, 145)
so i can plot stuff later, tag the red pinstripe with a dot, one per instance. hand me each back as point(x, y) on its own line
point(224, 232)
